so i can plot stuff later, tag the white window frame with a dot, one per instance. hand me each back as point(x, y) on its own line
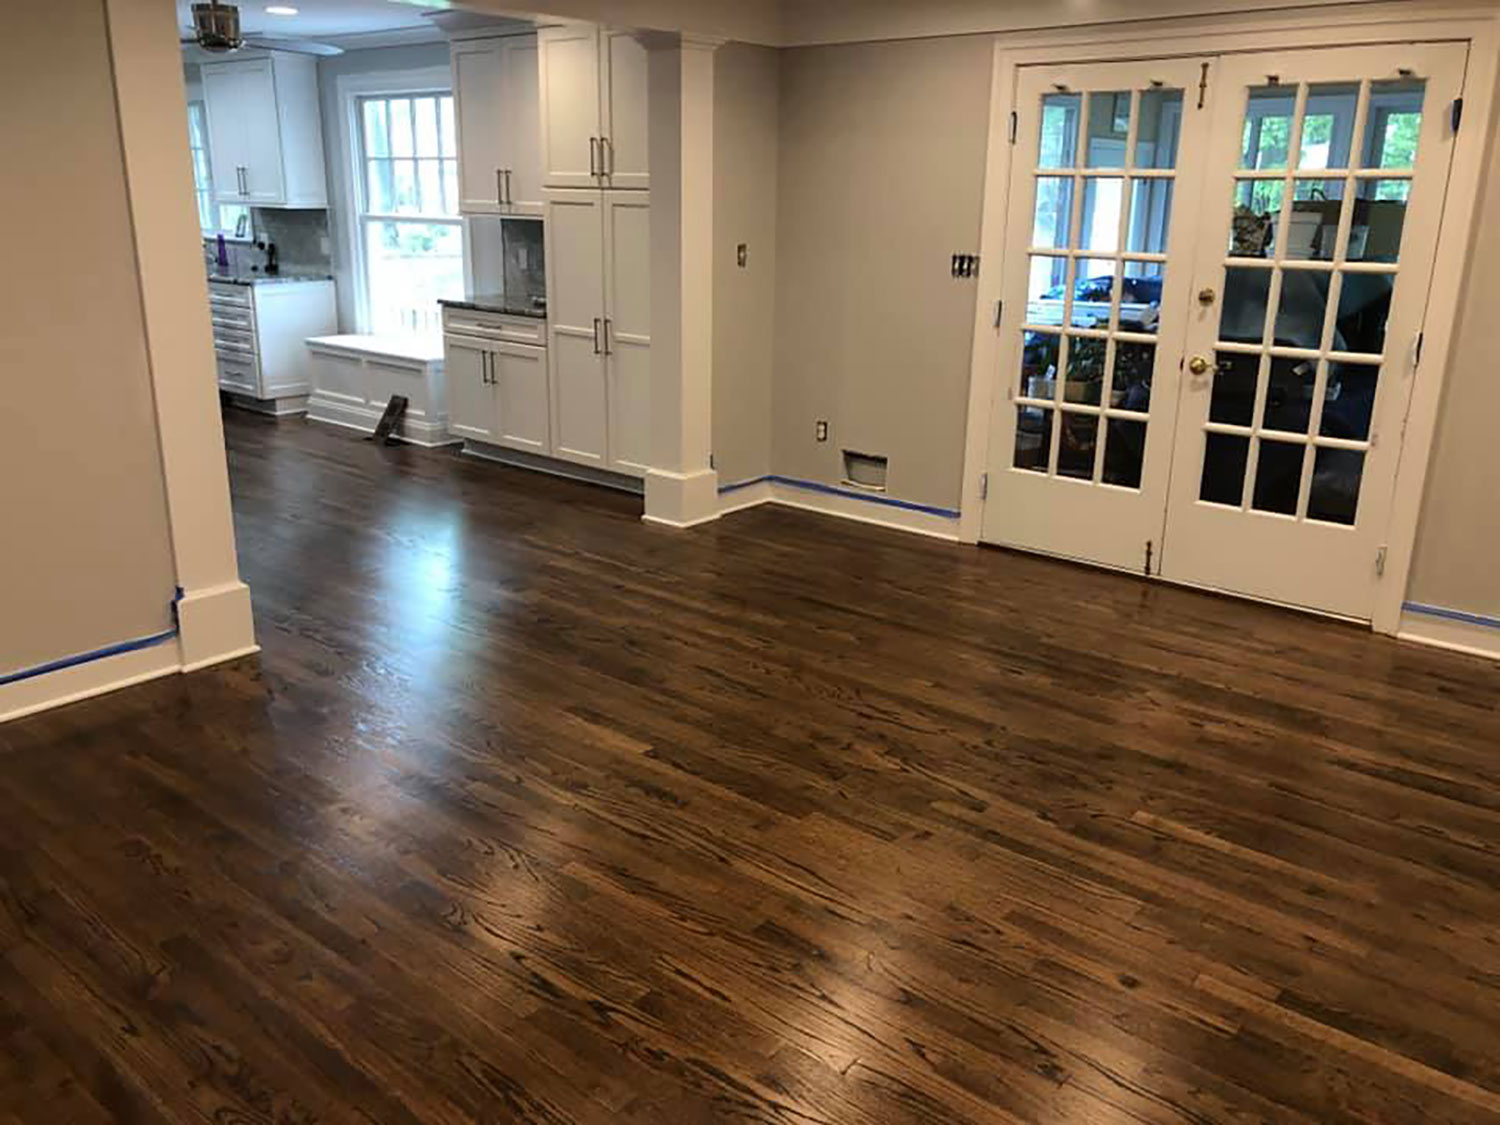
point(203, 193)
point(352, 89)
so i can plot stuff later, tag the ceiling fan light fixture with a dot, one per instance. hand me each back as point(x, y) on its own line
point(281, 10)
point(217, 26)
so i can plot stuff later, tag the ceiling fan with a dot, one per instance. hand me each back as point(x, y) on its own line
point(216, 29)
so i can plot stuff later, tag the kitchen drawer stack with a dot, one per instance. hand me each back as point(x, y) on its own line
point(260, 329)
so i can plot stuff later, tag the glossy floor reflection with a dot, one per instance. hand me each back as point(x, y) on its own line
point(529, 812)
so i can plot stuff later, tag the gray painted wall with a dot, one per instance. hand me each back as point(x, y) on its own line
point(746, 144)
point(86, 560)
point(881, 181)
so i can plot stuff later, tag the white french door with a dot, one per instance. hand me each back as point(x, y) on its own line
point(1094, 306)
point(1216, 274)
point(1326, 174)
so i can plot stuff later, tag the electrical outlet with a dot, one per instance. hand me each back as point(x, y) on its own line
point(741, 255)
point(822, 430)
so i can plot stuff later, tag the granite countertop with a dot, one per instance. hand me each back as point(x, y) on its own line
point(266, 279)
point(496, 303)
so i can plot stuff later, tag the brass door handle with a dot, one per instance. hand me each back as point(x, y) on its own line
point(1198, 365)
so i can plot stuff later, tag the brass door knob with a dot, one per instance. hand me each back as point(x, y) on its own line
point(1206, 296)
point(1198, 365)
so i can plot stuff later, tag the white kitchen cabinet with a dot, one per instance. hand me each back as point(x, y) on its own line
point(260, 330)
point(495, 87)
point(497, 386)
point(265, 133)
point(593, 108)
point(599, 327)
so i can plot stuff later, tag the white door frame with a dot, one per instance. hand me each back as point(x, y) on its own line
point(1379, 23)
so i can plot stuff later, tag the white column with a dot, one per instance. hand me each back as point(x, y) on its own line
point(213, 609)
point(682, 488)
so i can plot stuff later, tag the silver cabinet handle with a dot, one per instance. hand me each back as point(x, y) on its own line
point(606, 156)
point(597, 350)
point(608, 327)
point(499, 187)
point(508, 197)
point(594, 160)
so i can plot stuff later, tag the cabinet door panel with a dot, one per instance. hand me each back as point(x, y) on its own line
point(228, 89)
point(627, 260)
point(625, 110)
point(522, 133)
point(471, 398)
point(569, 121)
point(575, 318)
point(479, 91)
point(580, 423)
point(521, 386)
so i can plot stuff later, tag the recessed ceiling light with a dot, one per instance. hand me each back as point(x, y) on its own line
point(280, 10)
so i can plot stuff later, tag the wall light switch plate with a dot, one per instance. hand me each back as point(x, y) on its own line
point(822, 430)
point(741, 255)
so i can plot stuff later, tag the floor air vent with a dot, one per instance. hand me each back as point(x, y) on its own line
point(864, 470)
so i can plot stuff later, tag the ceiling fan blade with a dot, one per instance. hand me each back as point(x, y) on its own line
point(295, 46)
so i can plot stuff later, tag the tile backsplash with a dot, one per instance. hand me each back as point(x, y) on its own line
point(525, 264)
point(300, 236)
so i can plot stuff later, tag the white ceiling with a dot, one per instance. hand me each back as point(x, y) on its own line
point(322, 18)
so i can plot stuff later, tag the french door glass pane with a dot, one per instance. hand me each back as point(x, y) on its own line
point(1313, 226)
point(1267, 136)
point(1328, 127)
point(1334, 495)
point(1233, 399)
point(1364, 306)
point(1131, 387)
point(1379, 218)
point(1252, 228)
point(1224, 457)
point(1124, 453)
point(1278, 477)
point(1303, 309)
point(1150, 215)
point(1394, 123)
point(1054, 212)
point(1039, 362)
point(1349, 402)
point(1078, 444)
point(1085, 381)
point(1103, 197)
point(1093, 293)
point(1046, 290)
point(1289, 395)
point(1109, 129)
point(1242, 314)
point(1059, 139)
point(1033, 438)
point(1159, 129)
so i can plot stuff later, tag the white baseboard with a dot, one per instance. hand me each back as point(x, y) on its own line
point(286, 407)
point(215, 625)
point(1467, 633)
point(552, 466)
point(415, 431)
point(82, 681)
point(862, 509)
point(681, 499)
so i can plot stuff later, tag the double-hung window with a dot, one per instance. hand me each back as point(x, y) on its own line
point(408, 226)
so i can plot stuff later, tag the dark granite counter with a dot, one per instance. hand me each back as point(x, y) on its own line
point(496, 303)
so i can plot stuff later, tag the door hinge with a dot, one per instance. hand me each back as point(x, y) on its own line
point(1202, 85)
point(984, 486)
point(1149, 547)
point(999, 308)
point(1380, 561)
point(1416, 354)
point(1014, 122)
point(1456, 113)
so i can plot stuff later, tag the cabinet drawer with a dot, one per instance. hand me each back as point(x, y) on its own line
point(227, 340)
point(235, 296)
point(237, 319)
point(496, 326)
point(238, 373)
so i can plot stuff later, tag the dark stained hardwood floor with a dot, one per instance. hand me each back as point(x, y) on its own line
point(530, 812)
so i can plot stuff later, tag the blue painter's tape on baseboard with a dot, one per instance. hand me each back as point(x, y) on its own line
point(87, 657)
point(1453, 615)
point(834, 490)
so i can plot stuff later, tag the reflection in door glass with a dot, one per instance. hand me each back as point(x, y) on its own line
point(1059, 139)
point(1085, 381)
point(1099, 228)
point(1334, 496)
point(1312, 231)
point(1033, 438)
point(1267, 134)
point(1242, 316)
point(1349, 401)
point(1046, 288)
point(1078, 440)
point(1278, 477)
point(1054, 212)
point(1364, 307)
point(1140, 296)
point(1302, 310)
point(1150, 215)
point(1394, 124)
point(1094, 292)
point(1039, 358)
point(1109, 127)
point(1124, 453)
point(1233, 399)
point(1379, 218)
point(1289, 395)
point(1328, 125)
point(1252, 229)
point(1131, 389)
point(1159, 129)
point(1224, 457)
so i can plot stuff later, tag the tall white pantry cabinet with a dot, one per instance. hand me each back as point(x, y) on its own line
point(598, 239)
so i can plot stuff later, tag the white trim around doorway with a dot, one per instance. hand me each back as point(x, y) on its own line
point(1376, 23)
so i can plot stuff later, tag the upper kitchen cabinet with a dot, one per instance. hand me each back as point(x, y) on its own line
point(495, 87)
point(594, 111)
point(265, 133)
